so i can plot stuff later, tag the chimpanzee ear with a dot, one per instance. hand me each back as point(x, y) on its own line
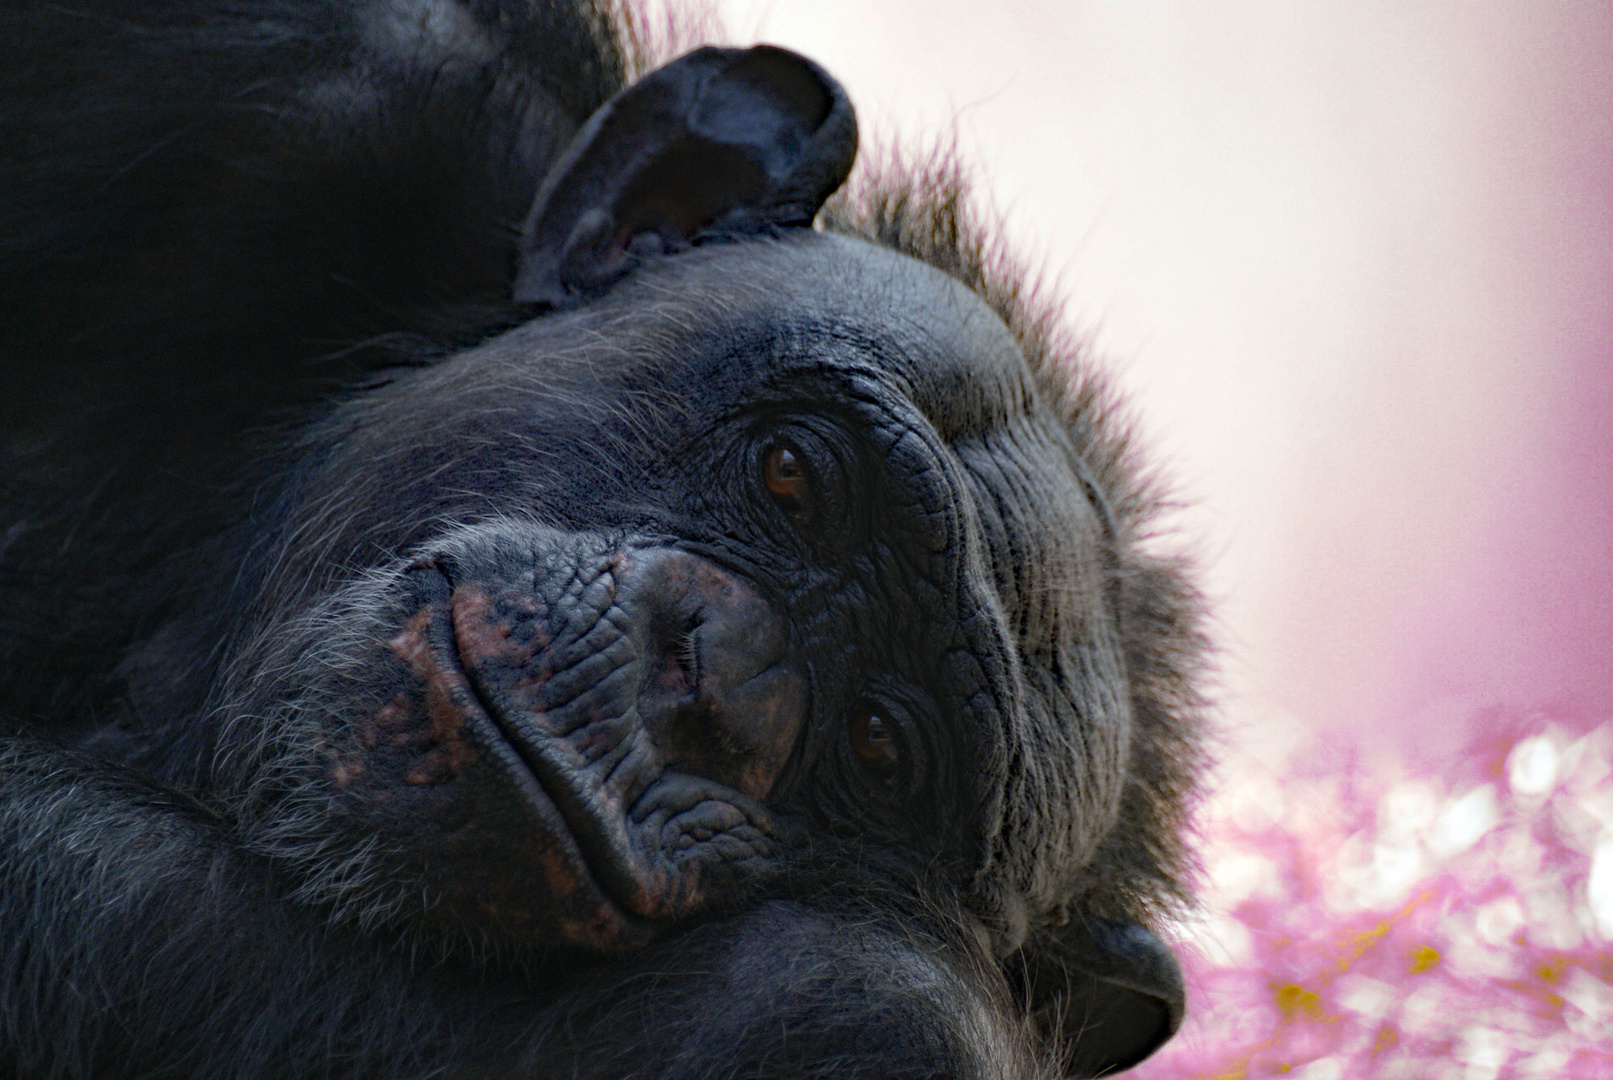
point(1111, 992)
point(721, 141)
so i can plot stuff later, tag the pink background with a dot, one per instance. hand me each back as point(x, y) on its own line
point(1355, 263)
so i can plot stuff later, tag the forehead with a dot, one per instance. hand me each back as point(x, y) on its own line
point(735, 315)
point(688, 340)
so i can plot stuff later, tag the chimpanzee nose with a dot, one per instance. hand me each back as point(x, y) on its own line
point(719, 692)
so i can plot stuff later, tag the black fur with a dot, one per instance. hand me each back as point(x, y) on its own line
point(306, 492)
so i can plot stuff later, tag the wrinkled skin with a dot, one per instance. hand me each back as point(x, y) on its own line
point(715, 668)
point(527, 689)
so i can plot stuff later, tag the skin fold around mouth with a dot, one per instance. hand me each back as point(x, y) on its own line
point(620, 769)
point(470, 759)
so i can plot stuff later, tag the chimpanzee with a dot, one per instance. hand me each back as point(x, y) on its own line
point(505, 573)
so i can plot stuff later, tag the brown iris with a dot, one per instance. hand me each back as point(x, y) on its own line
point(873, 740)
point(786, 478)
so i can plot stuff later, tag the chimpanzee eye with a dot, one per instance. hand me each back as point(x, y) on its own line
point(873, 740)
point(785, 476)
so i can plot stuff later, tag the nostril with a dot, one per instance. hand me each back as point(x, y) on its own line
point(689, 650)
point(677, 657)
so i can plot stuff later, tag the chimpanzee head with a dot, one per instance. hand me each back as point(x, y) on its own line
point(756, 550)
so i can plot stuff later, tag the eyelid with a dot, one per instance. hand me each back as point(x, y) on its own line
point(824, 512)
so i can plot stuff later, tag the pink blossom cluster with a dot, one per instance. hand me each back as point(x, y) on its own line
point(1448, 919)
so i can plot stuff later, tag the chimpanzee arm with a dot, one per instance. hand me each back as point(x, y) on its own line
point(137, 940)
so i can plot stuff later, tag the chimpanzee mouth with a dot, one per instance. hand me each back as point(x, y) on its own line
point(577, 835)
point(628, 844)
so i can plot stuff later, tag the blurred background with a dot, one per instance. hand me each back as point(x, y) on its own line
point(1354, 263)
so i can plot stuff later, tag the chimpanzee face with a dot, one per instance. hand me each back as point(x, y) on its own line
point(773, 542)
point(491, 588)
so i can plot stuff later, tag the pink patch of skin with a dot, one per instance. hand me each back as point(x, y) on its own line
point(480, 638)
point(436, 731)
point(410, 645)
point(559, 873)
point(396, 719)
point(346, 770)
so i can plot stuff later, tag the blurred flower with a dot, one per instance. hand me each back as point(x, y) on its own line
point(1450, 922)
